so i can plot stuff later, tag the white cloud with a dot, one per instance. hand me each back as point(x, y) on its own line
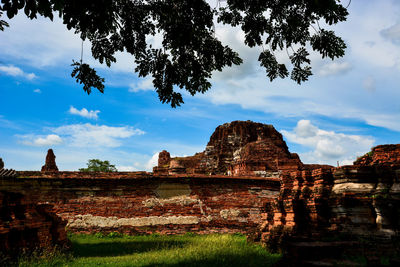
point(392, 33)
point(334, 68)
point(369, 51)
point(49, 140)
point(384, 120)
point(369, 84)
point(84, 135)
point(30, 76)
point(38, 91)
point(234, 37)
point(152, 162)
point(338, 96)
point(126, 169)
point(135, 167)
point(8, 124)
point(365, 37)
point(51, 42)
point(11, 70)
point(92, 114)
point(331, 96)
point(144, 84)
point(328, 147)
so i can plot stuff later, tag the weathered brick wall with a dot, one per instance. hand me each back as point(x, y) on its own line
point(365, 201)
point(302, 207)
point(25, 224)
point(384, 155)
point(329, 212)
point(140, 203)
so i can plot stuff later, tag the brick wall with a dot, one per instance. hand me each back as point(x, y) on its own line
point(141, 203)
point(25, 224)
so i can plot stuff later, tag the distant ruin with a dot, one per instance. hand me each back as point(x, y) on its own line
point(50, 163)
point(239, 148)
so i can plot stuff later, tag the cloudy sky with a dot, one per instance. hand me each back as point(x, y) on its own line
point(348, 106)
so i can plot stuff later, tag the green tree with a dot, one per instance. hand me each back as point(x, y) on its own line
point(190, 50)
point(96, 165)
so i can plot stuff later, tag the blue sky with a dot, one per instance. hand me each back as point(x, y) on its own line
point(348, 106)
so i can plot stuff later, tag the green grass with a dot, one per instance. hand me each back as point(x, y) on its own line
point(158, 250)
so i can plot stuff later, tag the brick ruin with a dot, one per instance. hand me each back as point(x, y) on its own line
point(50, 163)
point(328, 212)
point(316, 202)
point(26, 224)
point(246, 180)
point(239, 148)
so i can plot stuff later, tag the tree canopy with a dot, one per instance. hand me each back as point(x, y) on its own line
point(96, 165)
point(190, 50)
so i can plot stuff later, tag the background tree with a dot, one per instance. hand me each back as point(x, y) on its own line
point(96, 165)
point(190, 51)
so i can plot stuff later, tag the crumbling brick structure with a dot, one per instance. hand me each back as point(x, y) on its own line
point(330, 211)
point(238, 148)
point(50, 164)
point(25, 224)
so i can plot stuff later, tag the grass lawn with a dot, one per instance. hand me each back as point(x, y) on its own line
point(158, 250)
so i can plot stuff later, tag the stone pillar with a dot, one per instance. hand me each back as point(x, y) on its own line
point(50, 164)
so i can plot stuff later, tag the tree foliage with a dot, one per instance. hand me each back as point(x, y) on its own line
point(96, 165)
point(3, 23)
point(190, 50)
point(88, 76)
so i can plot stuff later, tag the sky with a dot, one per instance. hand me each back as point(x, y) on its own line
point(348, 106)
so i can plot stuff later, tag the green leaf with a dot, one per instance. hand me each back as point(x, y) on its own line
point(273, 69)
point(328, 44)
point(300, 57)
point(3, 24)
point(87, 76)
point(301, 74)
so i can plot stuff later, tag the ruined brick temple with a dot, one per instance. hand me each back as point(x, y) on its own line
point(245, 180)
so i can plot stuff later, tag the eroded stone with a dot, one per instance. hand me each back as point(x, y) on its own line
point(89, 221)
